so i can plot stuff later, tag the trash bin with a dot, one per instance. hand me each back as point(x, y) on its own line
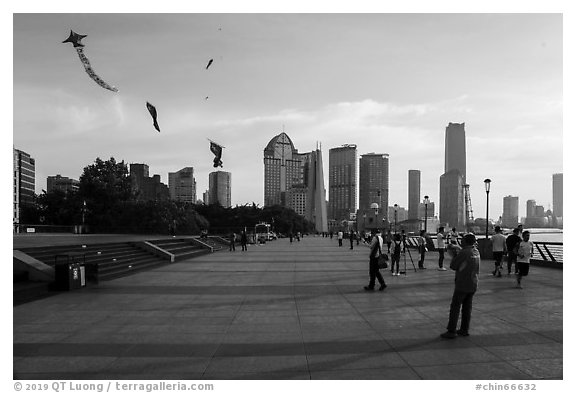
point(70, 275)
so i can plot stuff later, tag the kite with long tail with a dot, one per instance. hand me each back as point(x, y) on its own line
point(217, 150)
point(75, 40)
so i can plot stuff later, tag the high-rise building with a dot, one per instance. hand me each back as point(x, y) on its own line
point(413, 193)
point(455, 149)
point(182, 185)
point(297, 196)
point(220, 188)
point(452, 182)
point(557, 194)
point(24, 182)
point(206, 197)
point(283, 168)
point(342, 182)
point(316, 211)
point(530, 208)
point(452, 208)
point(61, 183)
point(373, 181)
point(424, 210)
point(146, 188)
point(510, 212)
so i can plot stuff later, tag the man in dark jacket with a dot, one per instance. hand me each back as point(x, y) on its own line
point(467, 266)
point(512, 242)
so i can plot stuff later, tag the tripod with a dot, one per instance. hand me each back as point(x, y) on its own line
point(405, 248)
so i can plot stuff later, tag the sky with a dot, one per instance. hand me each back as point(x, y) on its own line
point(387, 82)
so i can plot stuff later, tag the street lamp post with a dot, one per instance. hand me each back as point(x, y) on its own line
point(487, 187)
point(395, 218)
point(426, 200)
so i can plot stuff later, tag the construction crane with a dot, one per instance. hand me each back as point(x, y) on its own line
point(468, 206)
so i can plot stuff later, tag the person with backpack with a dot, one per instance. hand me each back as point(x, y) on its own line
point(375, 251)
point(396, 249)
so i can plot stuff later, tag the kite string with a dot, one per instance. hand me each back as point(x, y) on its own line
point(90, 71)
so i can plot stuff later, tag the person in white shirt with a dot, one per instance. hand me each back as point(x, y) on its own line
point(441, 247)
point(498, 250)
point(525, 251)
point(340, 238)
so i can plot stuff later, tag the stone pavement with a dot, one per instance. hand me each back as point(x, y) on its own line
point(291, 311)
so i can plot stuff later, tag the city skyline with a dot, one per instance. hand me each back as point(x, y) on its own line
point(275, 72)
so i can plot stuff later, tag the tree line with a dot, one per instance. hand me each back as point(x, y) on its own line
point(106, 203)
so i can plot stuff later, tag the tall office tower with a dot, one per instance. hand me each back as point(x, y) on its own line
point(24, 182)
point(452, 205)
point(182, 185)
point(206, 197)
point(283, 168)
point(61, 183)
point(220, 188)
point(342, 182)
point(530, 208)
point(413, 193)
point(455, 149)
point(510, 212)
point(373, 181)
point(297, 196)
point(146, 188)
point(424, 210)
point(316, 211)
point(557, 190)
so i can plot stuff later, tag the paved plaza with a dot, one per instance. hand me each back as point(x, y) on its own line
point(291, 311)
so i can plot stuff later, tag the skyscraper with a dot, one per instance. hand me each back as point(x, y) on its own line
point(413, 193)
point(24, 181)
point(452, 208)
point(510, 212)
point(455, 149)
point(557, 198)
point(283, 167)
point(342, 181)
point(182, 185)
point(452, 197)
point(530, 208)
point(220, 188)
point(373, 181)
point(316, 201)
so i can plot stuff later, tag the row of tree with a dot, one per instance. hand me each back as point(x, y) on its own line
point(106, 203)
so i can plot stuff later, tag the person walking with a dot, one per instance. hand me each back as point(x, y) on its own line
point(512, 242)
point(498, 250)
point(375, 251)
point(396, 247)
point(525, 252)
point(352, 239)
point(244, 240)
point(340, 238)
point(441, 248)
point(232, 239)
point(422, 249)
point(466, 264)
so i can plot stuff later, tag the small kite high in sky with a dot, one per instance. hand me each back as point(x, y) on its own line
point(209, 63)
point(217, 150)
point(74, 39)
point(154, 115)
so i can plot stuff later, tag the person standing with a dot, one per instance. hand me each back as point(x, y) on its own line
point(512, 242)
point(422, 249)
point(352, 239)
point(375, 251)
point(396, 250)
point(441, 248)
point(244, 240)
point(466, 264)
point(389, 239)
point(340, 238)
point(453, 236)
point(498, 250)
point(525, 251)
point(232, 239)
